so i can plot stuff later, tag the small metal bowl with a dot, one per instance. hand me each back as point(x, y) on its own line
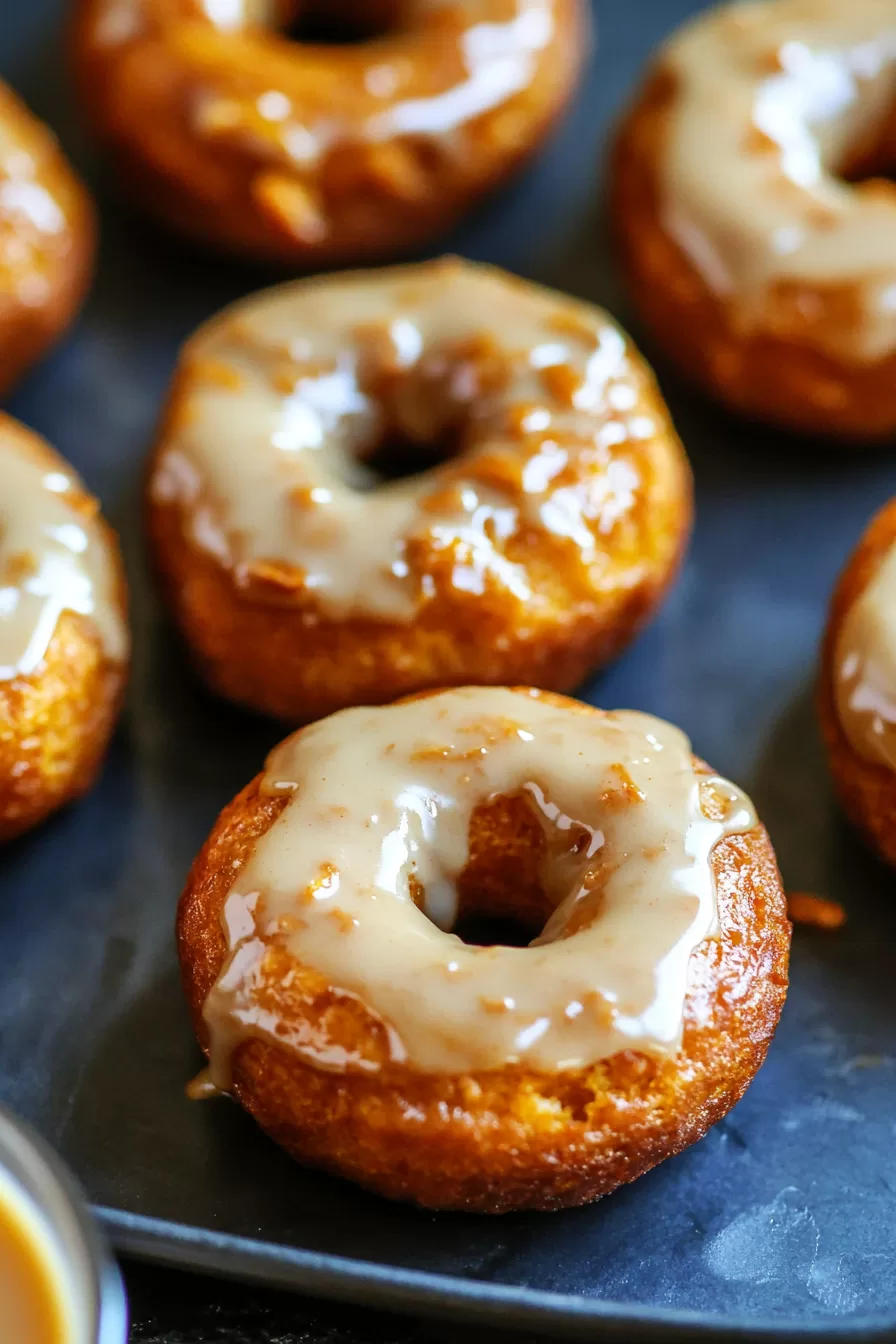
point(99, 1307)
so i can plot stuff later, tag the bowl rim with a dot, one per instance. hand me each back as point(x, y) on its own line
point(33, 1165)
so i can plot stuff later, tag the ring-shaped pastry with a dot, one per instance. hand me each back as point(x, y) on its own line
point(46, 239)
point(63, 632)
point(758, 241)
point(310, 154)
point(552, 509)
point(857, 696)
point(338, 1006)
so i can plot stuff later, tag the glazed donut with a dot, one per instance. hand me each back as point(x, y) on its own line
point(857, 695)
point(63, 635)
point(313, 155)
point(765, 273)
point(550, 515)
point(336, 1005)
point(46, 239)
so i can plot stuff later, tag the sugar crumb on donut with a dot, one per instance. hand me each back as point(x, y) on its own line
point(805, 907)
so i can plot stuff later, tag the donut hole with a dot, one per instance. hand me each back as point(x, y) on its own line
point(870, 156)
point(426, 409)
point(320, 23)
point(874, 161)
point(397, 456)
point(518, 872)
point(495, 931)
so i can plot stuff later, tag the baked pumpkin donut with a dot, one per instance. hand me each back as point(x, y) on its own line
point(63, 635)
point(337, 1005)
point(551, 512)
point(46, 239)
point(761, 265)
point(858, 684)
point(310, 154)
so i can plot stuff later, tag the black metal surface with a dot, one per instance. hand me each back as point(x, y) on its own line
point(784, 1218)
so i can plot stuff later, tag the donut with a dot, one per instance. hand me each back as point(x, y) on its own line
point(758, 244)
point(308, 154)
point(551, 509)
point(336, 1004)
point(46, 239)
point(857, 686)
point(63, 633)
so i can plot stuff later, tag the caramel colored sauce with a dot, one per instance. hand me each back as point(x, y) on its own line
point(358, 879)
point(35, 1296)
point(773, 100)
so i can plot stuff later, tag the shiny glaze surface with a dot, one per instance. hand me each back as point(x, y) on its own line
point(865, 668)
point(54, 556)
point(357, 878)
point(309, 138)
point(282, 397)
point(773, 99)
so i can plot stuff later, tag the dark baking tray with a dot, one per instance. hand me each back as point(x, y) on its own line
point(783, 1220)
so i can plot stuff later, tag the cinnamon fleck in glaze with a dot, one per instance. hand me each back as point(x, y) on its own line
point(865, 668)
point(358, 876)
point(54, 557)
point(46, 238)
point(773, 99)
point(303, 151)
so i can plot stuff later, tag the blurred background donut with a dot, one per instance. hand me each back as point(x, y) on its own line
point(758, 240)
point(314, 153)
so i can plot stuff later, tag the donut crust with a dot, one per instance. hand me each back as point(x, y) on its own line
point(234, 191)
point(56, 265)
point(774, 373)
point(866, 789)
point(55, 723)
point(507, 1139)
